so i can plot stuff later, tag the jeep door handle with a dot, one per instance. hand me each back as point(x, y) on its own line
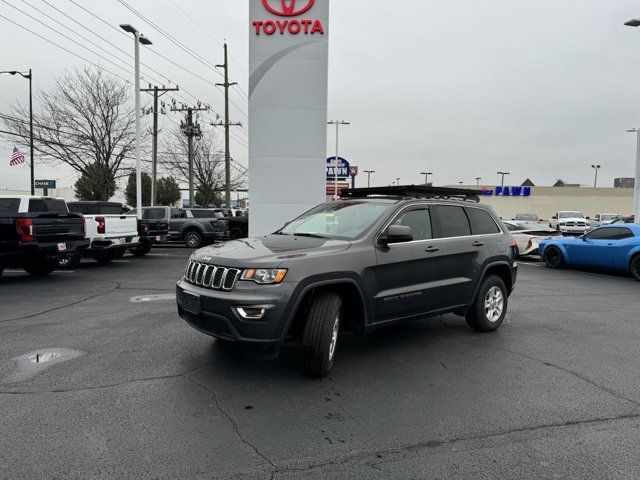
point(431, 249)
point(477, 243)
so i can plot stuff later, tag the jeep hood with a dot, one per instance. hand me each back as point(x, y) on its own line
point(270, 250)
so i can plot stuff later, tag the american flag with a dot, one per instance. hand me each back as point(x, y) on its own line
point(17, 157)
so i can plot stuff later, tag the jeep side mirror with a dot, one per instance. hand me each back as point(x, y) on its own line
point(397, 234)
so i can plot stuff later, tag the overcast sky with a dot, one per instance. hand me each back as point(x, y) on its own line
point(541, 88)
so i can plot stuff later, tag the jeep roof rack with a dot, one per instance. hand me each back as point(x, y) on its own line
point(414, 191)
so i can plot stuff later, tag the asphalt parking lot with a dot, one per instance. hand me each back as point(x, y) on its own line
point(136, 393)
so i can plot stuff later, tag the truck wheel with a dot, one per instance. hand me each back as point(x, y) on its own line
point(490, 307)
point(553, 257)
point(236, 233)
point(119, 253)
point(320, 336)
point(41, 269)
point(103, 256)
point(193, 239)
point(634, 266)
point(71, 261)
point(141, 249)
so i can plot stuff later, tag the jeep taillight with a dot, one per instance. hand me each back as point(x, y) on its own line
point(25, 229)
point(101, 226)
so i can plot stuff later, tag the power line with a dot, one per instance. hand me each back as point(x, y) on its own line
point(65, 49)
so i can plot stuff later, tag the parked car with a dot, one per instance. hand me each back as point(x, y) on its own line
point(35, 232)
point(528, 235)
point(614, 247)
point(109, 230)
point(383, 255)
point(622, 219)
point(527, 217)
point(569, 222)
point(152, 228)
point(197, 226)
point(605, 218)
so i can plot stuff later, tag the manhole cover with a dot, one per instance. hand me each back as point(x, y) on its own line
point(44, 357)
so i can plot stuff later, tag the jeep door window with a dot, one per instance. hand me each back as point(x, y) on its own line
point(345, 220)
point(419, 221)
point(453, 221)
point(482, 223)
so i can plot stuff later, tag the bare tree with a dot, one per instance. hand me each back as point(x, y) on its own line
point(208, 164)
point(84, 121)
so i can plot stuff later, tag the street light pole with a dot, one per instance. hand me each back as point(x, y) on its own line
point(138, 38)
point(369, 172)
point(636, 186)
point(29, 77)
point(503, 174)
point(596, 168)
point(478, 181)
point(335, 165)
point(426, 176)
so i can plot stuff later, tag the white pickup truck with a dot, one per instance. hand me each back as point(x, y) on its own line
point(569, 222)
point(109, 231)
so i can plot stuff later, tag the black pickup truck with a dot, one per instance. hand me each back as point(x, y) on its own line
point(152, 228)
point(36, 231)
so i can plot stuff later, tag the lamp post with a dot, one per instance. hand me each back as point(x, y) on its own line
point(28, 76)
point(335, 166)
point(636, 186)
point(426, 176)
point(478, 181)
point(138, 39)
point(595, 181)
point(369, 172)
point(398, 180)
point(503, 175)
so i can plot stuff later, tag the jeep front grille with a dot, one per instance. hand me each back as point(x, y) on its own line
point(211, 276)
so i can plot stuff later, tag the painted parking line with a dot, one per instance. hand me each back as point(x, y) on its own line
point(153, 298)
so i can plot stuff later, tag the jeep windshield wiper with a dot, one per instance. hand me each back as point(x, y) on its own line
point(311, 235)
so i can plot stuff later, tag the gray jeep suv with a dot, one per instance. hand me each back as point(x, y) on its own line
point(379, 256)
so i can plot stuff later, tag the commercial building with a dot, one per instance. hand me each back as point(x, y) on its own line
point(624, 182)
point(546, 201)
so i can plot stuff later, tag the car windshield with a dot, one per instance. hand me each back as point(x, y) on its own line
point(530, 217)
point(344, 220)
point(570, 215)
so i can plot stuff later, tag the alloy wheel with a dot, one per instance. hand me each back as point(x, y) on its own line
point(493, 304)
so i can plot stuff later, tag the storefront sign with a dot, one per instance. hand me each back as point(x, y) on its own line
point(344, 168)
point(292, 26)
point(507, 191)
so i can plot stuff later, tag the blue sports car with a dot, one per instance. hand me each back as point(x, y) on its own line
point(615, 247)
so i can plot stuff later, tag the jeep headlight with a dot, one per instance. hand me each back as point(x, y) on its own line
point(264, 276)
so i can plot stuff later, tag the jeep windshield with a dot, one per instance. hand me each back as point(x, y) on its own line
point(343, 221)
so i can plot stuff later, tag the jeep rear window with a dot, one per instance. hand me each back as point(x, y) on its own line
point(9, 205)
point(481, 222)
point(47, 205)
point(453, 221)
point(345, 220)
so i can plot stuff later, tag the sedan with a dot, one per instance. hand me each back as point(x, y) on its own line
point(529, 235)
point(611, 247)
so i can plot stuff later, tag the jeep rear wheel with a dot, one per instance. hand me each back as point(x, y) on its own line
point(490, 307)
point(321, 332)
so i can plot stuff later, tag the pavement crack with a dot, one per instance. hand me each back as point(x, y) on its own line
point(233, 423)
point(429, 444)
point(573, 373)
point(100, 387)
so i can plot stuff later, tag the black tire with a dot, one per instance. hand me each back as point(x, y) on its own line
point(41, 269)
point(193, 239)
point(484, 316)
point(320, 336)
point(236, 233)
point(71, 261)
point(103, 256)
point(634, 267)
point(141, 249)
point(553, 258)
point(119, 253)
point(1, 270)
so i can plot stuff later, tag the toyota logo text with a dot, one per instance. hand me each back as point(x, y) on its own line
point(287, 8)
point(292, 26)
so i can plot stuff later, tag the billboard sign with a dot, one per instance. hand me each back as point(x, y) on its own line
point(343, 167)
point(507, 191)
point(44, 184)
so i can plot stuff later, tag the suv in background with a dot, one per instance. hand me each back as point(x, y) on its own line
point(197, 226)
point(382, 256)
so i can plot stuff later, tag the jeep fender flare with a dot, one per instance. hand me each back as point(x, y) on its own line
point(318, 281)
point(485, 270)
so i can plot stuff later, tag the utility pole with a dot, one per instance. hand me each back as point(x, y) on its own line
point(190, 130)
point(335, 165)
point(503, 174)
point(426, 176)
point(157, 92)
point(369, 172)
point(226, 124)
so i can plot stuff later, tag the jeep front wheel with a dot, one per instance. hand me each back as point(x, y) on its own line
point(321, 331)
point(490, 307)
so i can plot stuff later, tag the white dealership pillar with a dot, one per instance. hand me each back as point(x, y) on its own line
point(288, 61)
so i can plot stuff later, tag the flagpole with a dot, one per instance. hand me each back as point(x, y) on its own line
point(33, 183)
